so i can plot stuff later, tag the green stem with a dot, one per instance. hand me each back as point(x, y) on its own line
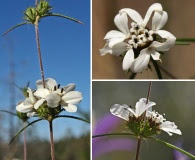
point(185, 40)
point(9, 112)
point(51, 140)
point(156, 68)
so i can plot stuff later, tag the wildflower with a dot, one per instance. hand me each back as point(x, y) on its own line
point(56, 96)
point(137, 42)
point(28, 104)
point(142, 120)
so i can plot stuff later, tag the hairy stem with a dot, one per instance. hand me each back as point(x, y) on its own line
point(51, 140)
point(24, 141)
point(39, 50)
point(138, 148)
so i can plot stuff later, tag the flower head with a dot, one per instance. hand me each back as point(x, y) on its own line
point(50, 100)
point(142, 120)
point(137, 42)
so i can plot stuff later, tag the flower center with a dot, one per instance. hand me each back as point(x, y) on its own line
point(139, 37)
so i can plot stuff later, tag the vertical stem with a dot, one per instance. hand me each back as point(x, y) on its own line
point(143, 117)
point(39, 50)
point(157, 69)
point(149, 91)
point(51, 140)
point(132, 76)
point(24, 141)
point(138, 148)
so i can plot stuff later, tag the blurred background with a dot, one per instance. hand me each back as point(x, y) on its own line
point(175, 99)
point(65, 49)
point(178, 61)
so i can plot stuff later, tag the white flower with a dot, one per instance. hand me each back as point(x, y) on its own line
point(154, 120)
point(139, 42)
point(125, 111)
point(28, 104)
point(55, 96)
point(166, 126)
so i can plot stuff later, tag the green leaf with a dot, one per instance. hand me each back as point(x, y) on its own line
point(73, 117)
point(62, 16)
point(18, 25)
point(173, 147)
point(113, 134)
point(185, 40)
point(24, 129)
point(181, 43)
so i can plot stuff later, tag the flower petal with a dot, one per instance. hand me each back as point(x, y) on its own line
point(128, 59)
point(170, 127)
point(73, 97)
point(42, 92)
point(53, 100)
point(31, 114)
point(39, 103)
point(119, 48)
point(141, 106)
point(69, 87)
point(70, 108)
point(49, 83)
point(141, 62)
point(31, 96)
point(105, 50)
point(120, 111)
point(114, 34)
point(165, 46)
point(159, 20)
point(155, 55)
point(151, 9)
point(121, 22)
point(20, 107)
point(135, 16)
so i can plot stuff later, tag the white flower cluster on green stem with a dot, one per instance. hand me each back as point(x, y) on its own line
point(52, 96)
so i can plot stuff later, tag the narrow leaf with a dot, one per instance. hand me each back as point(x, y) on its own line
point(185, 40)
point(181, 43)
point(9, 112)
point(24, 129)
point(113, 134)
point(62, 16)
point(73, 117)
point(173, 147)
point(18, 25)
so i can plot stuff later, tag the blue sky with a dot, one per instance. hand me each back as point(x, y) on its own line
point(65, 49)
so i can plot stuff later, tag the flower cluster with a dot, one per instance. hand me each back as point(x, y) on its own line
point(142, 120)
point(137, 42)
point(50, 100)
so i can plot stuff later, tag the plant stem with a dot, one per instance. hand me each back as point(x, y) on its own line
point(138, 148)
point(39, 49)
point(51, 140)
point(24, 141)
point(132, 76)
point(157, 68)
point(149, 91)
